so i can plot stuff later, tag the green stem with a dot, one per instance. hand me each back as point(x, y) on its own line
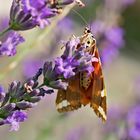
point(4, 31)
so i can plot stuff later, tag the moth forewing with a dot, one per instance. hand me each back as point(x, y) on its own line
point(98, 93)
point(72, 96)
point(98, 102)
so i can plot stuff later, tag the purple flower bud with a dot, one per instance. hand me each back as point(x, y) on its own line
point(70, 47)
point(49, 91)
point(58, 84)
point(15, 118)
point(13, 85)
point(20, 20)
point(14, 88)
point(8, 108)
point(35, 78)
point(44, 91)
point(48, 68)
point(25, 105)
point(64, 68)
point(48, 71)
point(2, 122)
point(36, 99)
point(30, 83)
point(35, 92)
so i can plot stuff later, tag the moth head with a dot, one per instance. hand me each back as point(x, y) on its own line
point(88, 39)
point(87, 30)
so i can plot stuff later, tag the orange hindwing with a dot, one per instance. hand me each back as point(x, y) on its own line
point(85, 89)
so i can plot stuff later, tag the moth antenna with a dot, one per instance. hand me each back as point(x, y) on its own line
point(90, 25)
point(83, 19)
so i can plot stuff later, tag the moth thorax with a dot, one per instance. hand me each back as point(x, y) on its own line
point(85, 80)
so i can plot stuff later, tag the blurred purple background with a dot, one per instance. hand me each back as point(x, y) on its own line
point(115, 25)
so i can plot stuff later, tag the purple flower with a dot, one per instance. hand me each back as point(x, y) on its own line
point(64, 67)
point(73, 61)
point(39, 11)
point(58, 84)
point(8, 47)
point(26, 14)
point(133, 120)
point(26, 105)
point(75, 57)
point(7, 109)
point(51, 78)
point(19, 20)
point(19, 97)
point(15, 118)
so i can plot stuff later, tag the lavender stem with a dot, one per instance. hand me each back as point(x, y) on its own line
point(5, 31)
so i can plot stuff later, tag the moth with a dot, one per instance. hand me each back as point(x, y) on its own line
point(83, 88)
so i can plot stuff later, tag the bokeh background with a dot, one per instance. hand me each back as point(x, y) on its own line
point(115, 25)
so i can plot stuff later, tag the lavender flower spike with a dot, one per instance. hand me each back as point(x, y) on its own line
point(72, 61)
point(27, 14)
point(56, 74)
